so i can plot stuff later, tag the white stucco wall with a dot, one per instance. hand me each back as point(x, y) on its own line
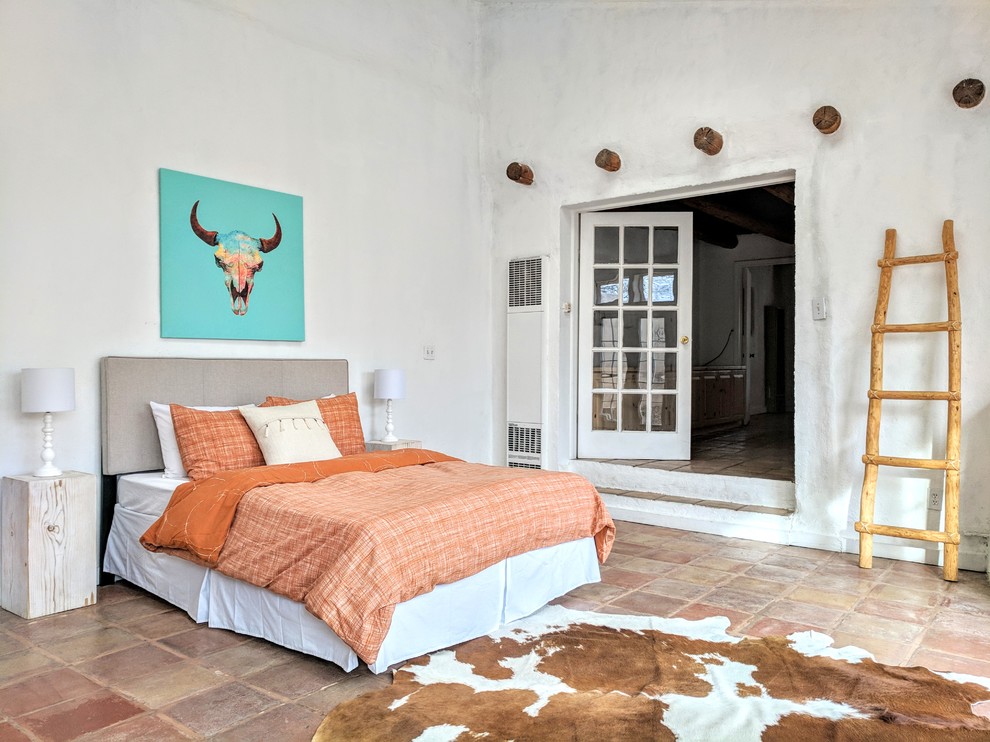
point(371, 111)
point(563, 79)
point(368, 110)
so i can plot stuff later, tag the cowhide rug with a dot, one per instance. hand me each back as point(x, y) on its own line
point(572, 675)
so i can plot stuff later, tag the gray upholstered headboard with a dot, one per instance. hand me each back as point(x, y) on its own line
point(130, 439)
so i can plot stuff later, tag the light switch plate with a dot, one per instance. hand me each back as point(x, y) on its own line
point(819, 308)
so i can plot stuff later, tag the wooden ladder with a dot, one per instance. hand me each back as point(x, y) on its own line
point(950, 464)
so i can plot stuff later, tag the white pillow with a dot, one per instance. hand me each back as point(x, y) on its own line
point(287, 434)
point(166, 438)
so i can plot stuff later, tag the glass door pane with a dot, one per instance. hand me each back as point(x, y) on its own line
point(636, 273)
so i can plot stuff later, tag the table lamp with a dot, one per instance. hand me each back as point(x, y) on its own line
point(390, 383)
point(48, 390)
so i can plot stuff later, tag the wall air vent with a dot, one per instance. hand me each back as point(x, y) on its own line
point(526, 282)
point(524, 373)
point(524, 446)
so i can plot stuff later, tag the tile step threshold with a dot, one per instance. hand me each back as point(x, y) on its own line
point(697, 502)
point(779, 472)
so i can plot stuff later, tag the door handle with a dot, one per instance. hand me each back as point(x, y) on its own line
point(684, 339)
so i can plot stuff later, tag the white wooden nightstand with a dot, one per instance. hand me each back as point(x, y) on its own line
point(48, 549)
point(393, 446)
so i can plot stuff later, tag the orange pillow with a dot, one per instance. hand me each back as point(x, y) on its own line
point(341, 416)
point(214, 441)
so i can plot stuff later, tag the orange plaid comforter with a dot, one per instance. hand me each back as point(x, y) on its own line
point(383, 528)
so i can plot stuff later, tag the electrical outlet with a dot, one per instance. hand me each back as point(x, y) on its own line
point(429, 352)
point(934, 500)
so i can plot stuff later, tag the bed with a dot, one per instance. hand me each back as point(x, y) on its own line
point(135, 493)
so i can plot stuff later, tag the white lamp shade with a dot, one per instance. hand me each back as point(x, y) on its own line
point(390, 383)
point(48, 389)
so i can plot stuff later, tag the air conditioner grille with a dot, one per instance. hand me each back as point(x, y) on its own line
point(523, 465)
point(526, 282)
point(525, 439)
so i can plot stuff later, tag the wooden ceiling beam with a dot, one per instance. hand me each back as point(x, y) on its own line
point(715, 232)
point(728, 241)
point(742, 220)
point(783, 191)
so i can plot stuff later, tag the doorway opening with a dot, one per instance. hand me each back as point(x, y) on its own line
point(742, 344)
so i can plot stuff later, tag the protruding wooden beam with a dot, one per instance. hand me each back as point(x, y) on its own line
point(827, 119)
point(708, 140)
point(968, 93)
point(519, 173)
point(608, 160)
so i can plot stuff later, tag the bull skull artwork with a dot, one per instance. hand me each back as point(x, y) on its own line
point(238, 255)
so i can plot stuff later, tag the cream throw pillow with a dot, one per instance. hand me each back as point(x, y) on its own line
point(290, 433)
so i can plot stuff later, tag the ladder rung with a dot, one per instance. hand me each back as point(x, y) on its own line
point(949, 536)
point(914, 259)
point(945, 464)
point(919, 327)
point(904, 532)
point(924, 396)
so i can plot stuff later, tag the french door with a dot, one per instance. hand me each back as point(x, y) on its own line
point(634, 350)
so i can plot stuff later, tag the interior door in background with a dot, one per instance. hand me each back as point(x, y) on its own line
point(634, 326)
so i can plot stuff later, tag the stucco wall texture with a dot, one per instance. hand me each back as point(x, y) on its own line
point(561, 80)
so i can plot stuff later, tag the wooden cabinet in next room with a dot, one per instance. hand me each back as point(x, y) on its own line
point(718, 396)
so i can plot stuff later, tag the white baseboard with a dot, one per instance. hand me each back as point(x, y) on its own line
point(972, 550)
point(816, 541)
point(777, 529)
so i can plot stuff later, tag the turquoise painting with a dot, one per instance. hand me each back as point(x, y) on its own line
point(231, 260)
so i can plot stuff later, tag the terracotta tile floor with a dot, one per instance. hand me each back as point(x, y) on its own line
point(764, 449)
point(134, 668)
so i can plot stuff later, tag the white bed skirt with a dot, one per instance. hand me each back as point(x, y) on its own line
point(447, 615)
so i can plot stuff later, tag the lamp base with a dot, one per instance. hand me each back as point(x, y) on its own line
point(389, 436)
point(48, 470)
